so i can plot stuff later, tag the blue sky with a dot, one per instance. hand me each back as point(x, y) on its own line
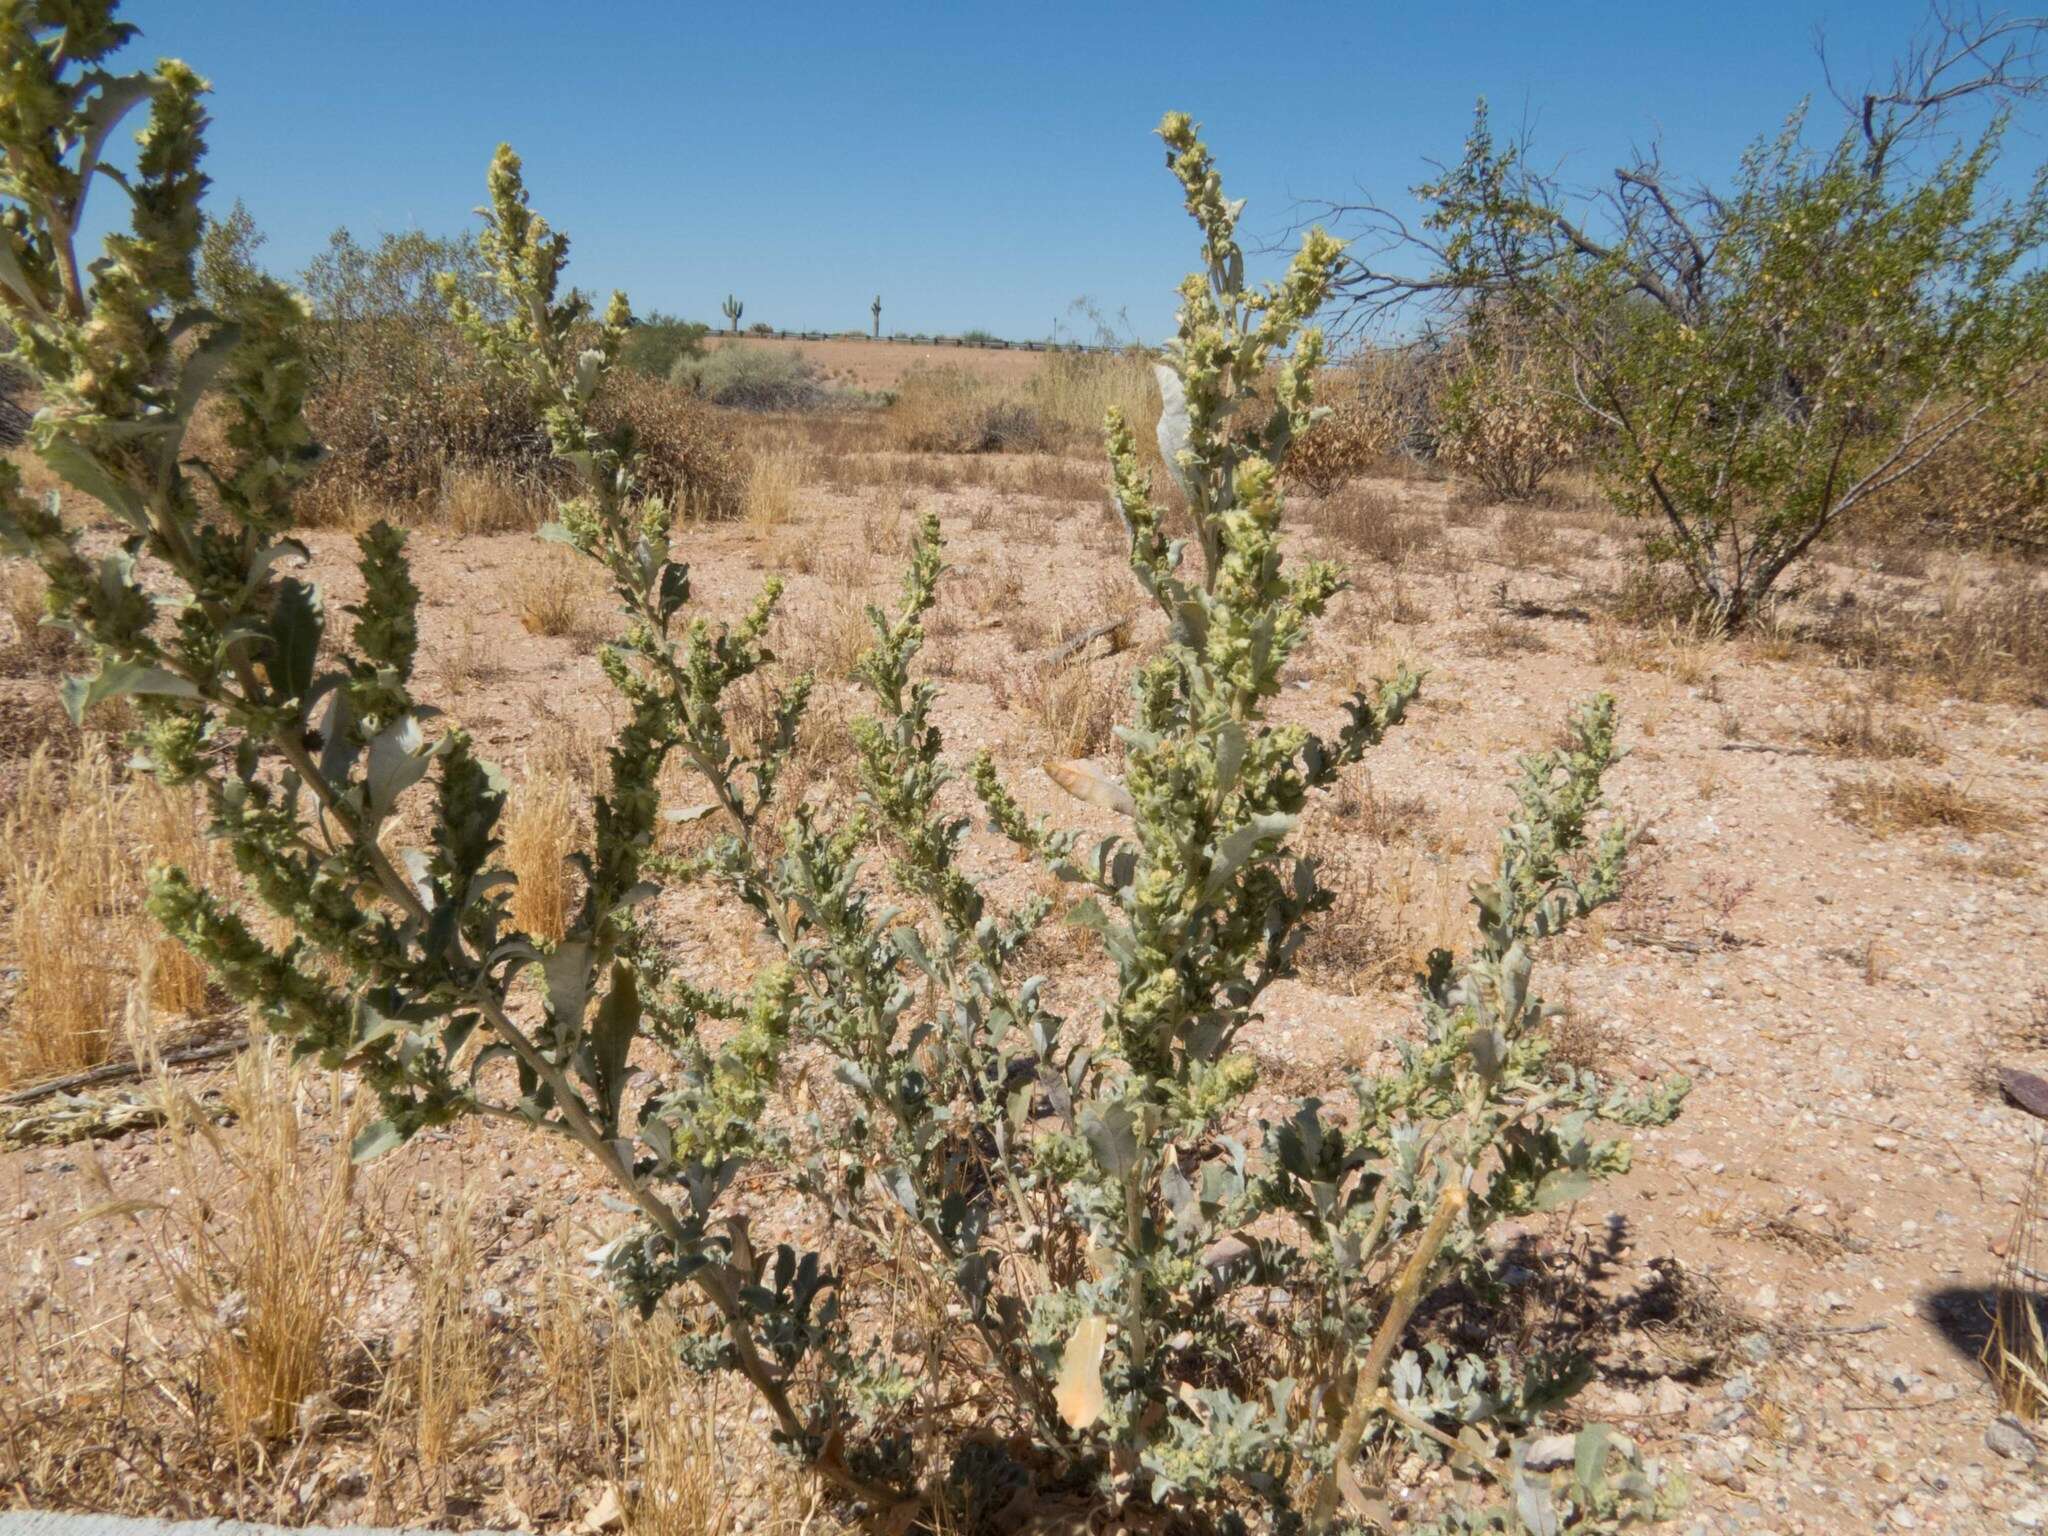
point(975, 165)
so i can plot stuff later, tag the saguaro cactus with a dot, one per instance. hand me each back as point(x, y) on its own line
point(732, 309)
point(876, 310)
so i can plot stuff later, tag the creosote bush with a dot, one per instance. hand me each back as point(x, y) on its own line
point(1155, 1310)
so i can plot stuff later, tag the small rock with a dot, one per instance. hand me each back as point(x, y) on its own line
point(2030, 1516)
point(607, 1514)
point(1668, 1397)
point(1737, 1389)
point(2009, 1439)
point(1754, 1347)
point(1549, 1452)
point(1717, 1466)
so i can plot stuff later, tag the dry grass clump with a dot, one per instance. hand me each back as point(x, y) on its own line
point(540, 829)
point(74, 851)
point(1358, 945)
point(1525, 540)
point(1497, 636)
point(1862, 727)
point(1684, 649)
point(31, 646)
point(1056, 478)
point(948, 409)
point(828, 635)
point(484, 499)
point(2016, 1353)
point(444, 1373)
point(559, 594)
point(1060, 406)
point(774, 478)
point(1367, 523)
point(1074, 391)
point(1987, 641)
point(1073, 707)
point(676, 1438)
point(1911, 803)
point(268, 1267)
point(469, 658)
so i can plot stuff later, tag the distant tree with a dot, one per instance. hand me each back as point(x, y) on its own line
point(228, 270)
point(1762, 360)
point(373, 301)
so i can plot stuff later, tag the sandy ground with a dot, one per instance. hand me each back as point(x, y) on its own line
point(1789, 1286)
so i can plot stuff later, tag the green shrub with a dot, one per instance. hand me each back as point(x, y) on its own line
point(1142, 1308)
point(1768, 360)
point(750, 378)
point(658, 341)
point(397, 396)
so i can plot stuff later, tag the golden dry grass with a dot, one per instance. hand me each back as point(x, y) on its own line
point(1912, 803)
point(489, 500)
point(557, 593)
point(539, 831)
point(1868, 728)
point(1073, 706)
point(268, 1270)
point(74, 853)
point(31, 645)
point(775, 477)
point(2016, 1353)
point(446, 1374)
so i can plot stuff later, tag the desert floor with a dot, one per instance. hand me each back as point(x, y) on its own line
point(1787, 1292)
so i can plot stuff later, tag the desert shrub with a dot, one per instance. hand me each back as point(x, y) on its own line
point(1766, 359)
point(659, 341)
point(398, 395)
point(747, 378)
point(1503, 417)
point(685, 455)
point(1140, 1300)
point(949, 409)
point(1353, 439)
point(228, 268)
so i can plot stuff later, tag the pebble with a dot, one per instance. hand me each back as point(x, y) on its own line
point(2008, 1439)
point(1717, 1466)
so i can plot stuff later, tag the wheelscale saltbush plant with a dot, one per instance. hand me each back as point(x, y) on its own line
point(1142, 1307)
